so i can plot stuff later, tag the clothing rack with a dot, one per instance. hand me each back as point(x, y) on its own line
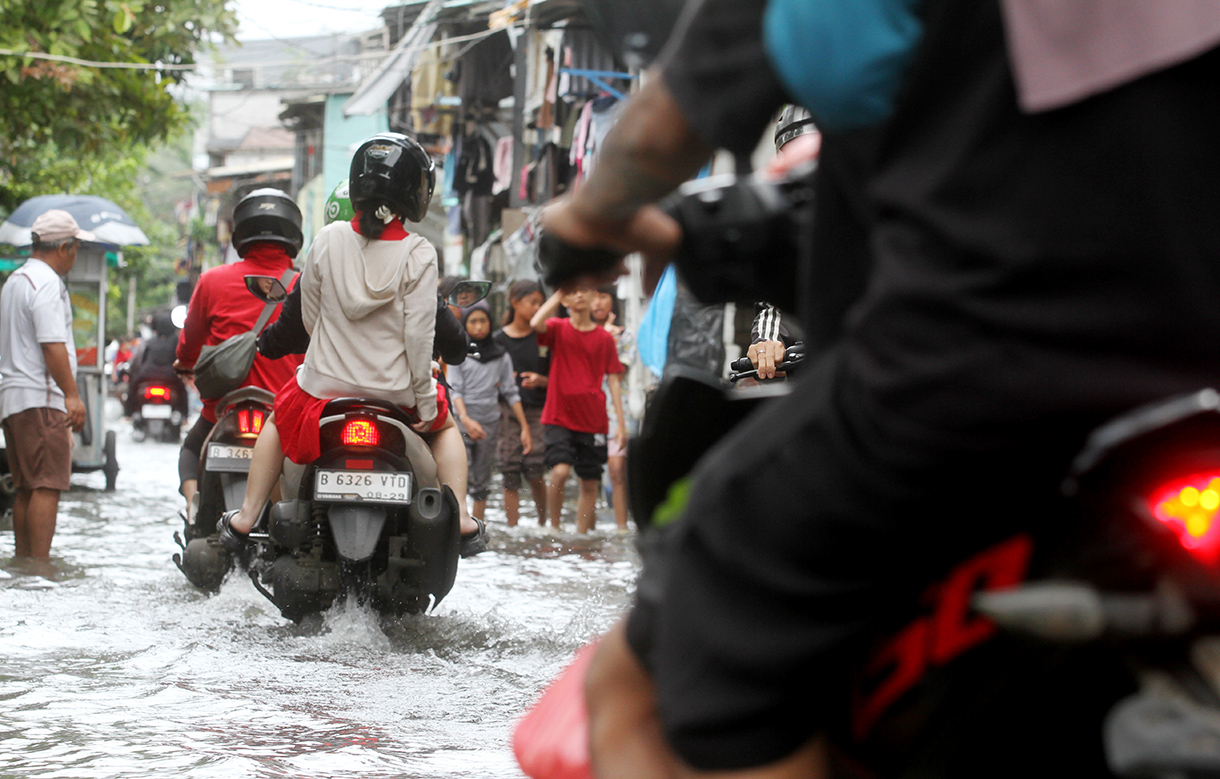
point(599, 77)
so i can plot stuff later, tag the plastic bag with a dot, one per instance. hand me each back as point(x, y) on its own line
point(552, 741)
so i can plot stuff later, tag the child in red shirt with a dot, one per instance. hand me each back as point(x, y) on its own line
point(574, 418)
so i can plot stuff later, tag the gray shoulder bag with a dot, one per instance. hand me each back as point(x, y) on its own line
point(223, 367)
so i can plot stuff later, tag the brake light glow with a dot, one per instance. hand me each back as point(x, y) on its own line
point(156, 392)
point(249, 422)
point(1189, 507)
point(360, 432)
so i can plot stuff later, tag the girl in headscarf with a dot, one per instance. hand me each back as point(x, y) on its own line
point(478, 384)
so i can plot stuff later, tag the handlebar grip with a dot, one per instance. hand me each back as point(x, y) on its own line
point(741, 364)
point(563, 263)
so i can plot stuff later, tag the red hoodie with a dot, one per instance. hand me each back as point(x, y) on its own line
point(222, 307)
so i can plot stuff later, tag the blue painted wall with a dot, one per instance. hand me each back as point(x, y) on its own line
point(341, 135)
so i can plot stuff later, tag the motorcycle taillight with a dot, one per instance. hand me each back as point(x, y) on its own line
point(249, 422)
point(151, 393)
point(360, 432)
point(1188, 506)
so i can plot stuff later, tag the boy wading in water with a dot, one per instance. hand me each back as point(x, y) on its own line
point(530, 367)
point(574, 417)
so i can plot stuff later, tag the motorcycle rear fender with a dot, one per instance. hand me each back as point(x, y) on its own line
point(234, 487)
point(356, 529)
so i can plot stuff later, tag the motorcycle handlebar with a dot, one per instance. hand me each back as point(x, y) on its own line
point(793, 355)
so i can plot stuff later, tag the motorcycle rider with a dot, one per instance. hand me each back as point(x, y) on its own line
point(153, 360)
point(796, 141)
point(287, 334)
point(1042, 259)
point(368, 300)
point(267, 236)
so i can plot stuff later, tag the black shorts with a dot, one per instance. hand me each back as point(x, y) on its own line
point(585, 452)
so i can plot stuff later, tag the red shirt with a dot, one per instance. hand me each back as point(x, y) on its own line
point(222, 307)
point(579, 363)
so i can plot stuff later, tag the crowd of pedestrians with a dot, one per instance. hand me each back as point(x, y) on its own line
point(540, 398)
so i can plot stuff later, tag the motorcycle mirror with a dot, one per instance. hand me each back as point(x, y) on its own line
point(467, 293)
point(266, 288)
point(178, 316)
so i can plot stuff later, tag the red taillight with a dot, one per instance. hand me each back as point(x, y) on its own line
point(360, 432)
point(1189, 506)
point(249, 422)
point(156, 392)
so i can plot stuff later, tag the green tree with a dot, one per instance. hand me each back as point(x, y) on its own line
point(75, 128)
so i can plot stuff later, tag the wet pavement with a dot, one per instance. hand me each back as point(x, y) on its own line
point(117, 667)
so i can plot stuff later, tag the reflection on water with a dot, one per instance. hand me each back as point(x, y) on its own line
point(114, 666)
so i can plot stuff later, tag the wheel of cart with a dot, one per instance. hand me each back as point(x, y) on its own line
point(111, 466)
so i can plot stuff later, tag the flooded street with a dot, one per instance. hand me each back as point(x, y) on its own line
point(119, 668)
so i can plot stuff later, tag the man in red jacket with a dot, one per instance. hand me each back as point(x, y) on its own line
point(267, 236)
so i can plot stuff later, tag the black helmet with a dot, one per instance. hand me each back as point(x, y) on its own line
point(393, 169)
point(793, 122)
point(267, 215)
point(163, 324)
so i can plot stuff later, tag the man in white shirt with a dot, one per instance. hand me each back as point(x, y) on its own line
point(39, 401)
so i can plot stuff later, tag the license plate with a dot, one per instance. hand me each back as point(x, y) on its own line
point(156, 412)
point(227, 452)
point(362, 487)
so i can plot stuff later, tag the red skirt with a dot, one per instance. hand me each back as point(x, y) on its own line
point(297, 414)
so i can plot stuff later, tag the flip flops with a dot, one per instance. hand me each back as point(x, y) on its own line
point(476, 542)
point(230, 539)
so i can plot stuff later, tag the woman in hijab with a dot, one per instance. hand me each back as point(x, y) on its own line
point(478, 384)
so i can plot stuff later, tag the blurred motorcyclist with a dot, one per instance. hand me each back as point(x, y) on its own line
point(267, 236)
point(153, 360)
point(1041, 260)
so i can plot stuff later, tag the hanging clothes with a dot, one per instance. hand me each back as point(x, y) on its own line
point(484, 74)
point(604, 112)
point(502, 165)
point(474, 171)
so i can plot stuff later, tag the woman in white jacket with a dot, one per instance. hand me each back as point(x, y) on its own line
point(368, 300)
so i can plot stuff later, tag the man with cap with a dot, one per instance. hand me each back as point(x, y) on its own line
point(39, 401)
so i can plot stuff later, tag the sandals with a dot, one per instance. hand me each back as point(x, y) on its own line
point(476, 542)
point(230, 539)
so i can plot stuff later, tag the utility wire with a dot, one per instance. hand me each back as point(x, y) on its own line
point(38, 55)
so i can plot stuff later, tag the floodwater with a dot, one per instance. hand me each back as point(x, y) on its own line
point(117, 667)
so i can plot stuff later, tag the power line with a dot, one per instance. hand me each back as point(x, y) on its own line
point(38, 55)
point(375, 9)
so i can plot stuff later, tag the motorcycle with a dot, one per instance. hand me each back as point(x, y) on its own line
point(224, 465)
point(368, 517)
point(1121, 603)
point(1127, 595)
point(157, 415)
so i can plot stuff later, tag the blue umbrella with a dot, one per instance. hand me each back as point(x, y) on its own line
point(98, 215)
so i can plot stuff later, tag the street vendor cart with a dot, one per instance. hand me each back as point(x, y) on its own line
point(94, 446)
